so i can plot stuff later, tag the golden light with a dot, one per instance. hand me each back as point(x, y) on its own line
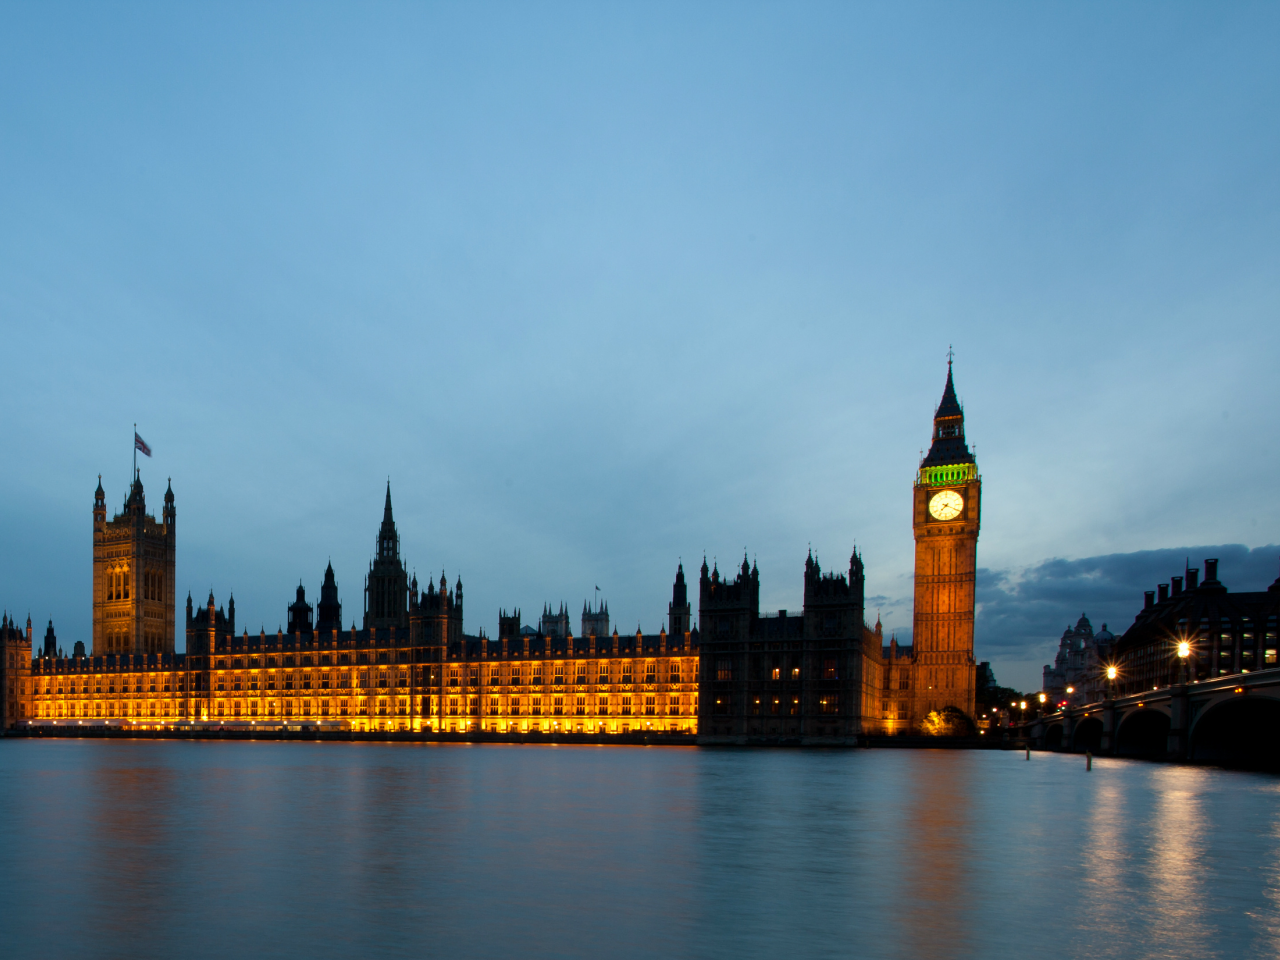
point(1023, 705)
point(1043, 698)
point(1184, 649)
point(1071, 689)
point(1111, 673)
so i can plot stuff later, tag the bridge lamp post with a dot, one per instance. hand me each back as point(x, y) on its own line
point(1184, 651)
point(1111, 680)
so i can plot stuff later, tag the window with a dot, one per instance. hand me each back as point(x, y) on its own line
point(795, 673)
point(581, 674)
point(453, 676)
point(581, 706)
point(626, 706)
point(537, 706)
point(493, 705)
point(829, 669)
point(649, 706)
point(559, 706)
point(724, 670)
point(775, 673)
point(829, 705)
point(495, 677)
point(673, 706)
point(675, 673)
point(604, 673)
point(559, 673)
point(650, 672)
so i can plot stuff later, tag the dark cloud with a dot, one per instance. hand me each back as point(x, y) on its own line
point(1020, 613)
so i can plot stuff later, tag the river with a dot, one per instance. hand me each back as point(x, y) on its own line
point(268, 849)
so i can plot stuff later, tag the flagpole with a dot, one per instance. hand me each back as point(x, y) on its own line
point(135, 452)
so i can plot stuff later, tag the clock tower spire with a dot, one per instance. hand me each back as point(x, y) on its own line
point(946, 509)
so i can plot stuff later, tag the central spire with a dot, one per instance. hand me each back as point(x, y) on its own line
point(388, 540)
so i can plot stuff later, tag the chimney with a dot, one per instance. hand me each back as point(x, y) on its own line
point(1193, 577)
point(1177, 585)
point(1149, 599)
point(1210, 570)
point(1164, 591)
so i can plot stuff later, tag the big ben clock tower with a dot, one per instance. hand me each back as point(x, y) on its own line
point(946, 509)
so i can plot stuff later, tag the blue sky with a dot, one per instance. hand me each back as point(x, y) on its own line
point(601, 287)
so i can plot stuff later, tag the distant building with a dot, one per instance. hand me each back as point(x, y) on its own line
point(1078, 674)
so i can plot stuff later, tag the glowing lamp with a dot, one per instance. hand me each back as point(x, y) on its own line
point(1111, 673)
point(1184, 649)
point(1043, 698)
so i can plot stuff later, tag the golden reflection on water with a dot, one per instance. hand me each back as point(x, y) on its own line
point(128, 866)
point(937, 857)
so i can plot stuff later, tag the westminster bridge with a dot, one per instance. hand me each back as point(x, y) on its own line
point(1231, 720)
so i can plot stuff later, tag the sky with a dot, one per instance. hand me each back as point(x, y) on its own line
point(604, 288)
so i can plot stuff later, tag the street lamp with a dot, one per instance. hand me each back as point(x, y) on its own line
point(1184, 651)
point(1111, 679)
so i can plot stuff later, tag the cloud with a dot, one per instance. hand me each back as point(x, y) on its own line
point(1021, 613)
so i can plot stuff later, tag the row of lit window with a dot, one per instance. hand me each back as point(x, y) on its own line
point(829, 670)
point(648, 705)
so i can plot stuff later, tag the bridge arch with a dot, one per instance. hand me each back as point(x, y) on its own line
point(1143, 733)
point(1053, 737)
point(1243, 731)
point(1088, 735)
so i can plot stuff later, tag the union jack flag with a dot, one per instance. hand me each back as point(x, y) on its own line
point(140, 445)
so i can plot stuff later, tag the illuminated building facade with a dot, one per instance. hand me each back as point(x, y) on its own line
point(938, 670)
point(133, 576)
point(736, 676)
point(15, 669)
point(410, 667)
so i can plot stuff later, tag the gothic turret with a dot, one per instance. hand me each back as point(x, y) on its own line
point(679, 613)
point(329, 609)
point(300, 612)
point(99, 506)
point(170, 515)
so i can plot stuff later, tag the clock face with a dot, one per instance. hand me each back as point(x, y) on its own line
point(946, 505)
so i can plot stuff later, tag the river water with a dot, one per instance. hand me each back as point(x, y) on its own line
point(213, 849)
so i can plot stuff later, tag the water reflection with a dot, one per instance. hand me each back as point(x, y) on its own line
point(331, 850)
point(937, 858)
point(1177, 864)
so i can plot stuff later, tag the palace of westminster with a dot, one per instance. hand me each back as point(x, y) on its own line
point(733, 676)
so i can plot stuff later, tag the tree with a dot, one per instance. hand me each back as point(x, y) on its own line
point(947, 722)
